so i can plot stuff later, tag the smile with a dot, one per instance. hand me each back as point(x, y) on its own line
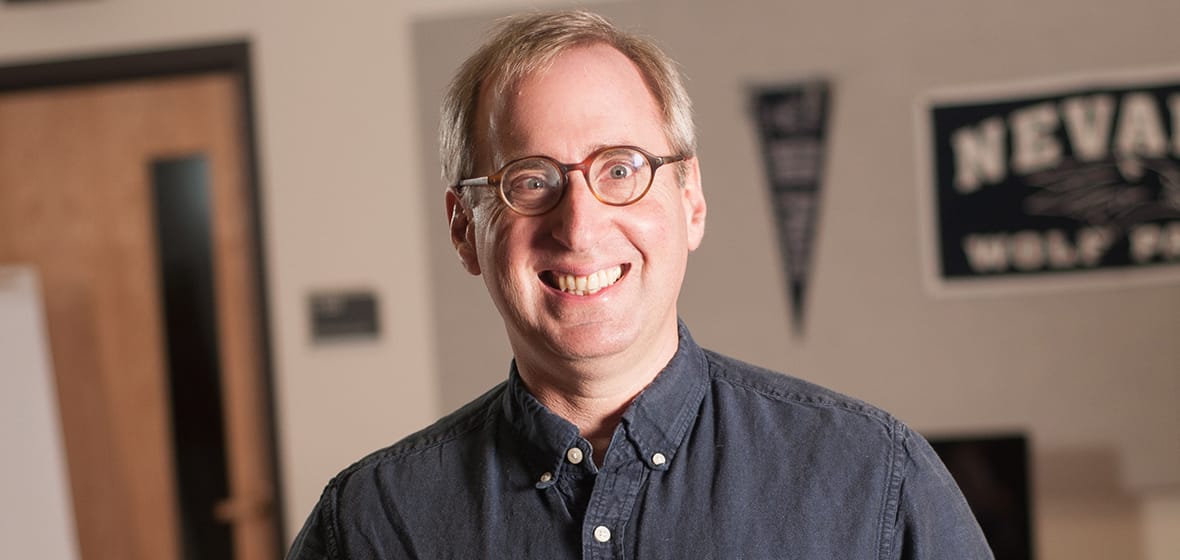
point(583, 285)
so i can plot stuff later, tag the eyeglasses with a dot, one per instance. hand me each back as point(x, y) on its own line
point(616, 175)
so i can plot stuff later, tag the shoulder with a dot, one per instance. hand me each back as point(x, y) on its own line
point(454, 430)
point(790, 394)
point(801, 415)
point(922, 513)
point(919, 509)
point(364, 502)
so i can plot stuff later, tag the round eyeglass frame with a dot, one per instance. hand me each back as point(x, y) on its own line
point(495, 180)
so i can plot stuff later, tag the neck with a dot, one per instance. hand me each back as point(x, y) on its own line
point(595, 417)
point(594, 393)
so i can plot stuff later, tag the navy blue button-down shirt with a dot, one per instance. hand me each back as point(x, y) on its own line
point(715, 459)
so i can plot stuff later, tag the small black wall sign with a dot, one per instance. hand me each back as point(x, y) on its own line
point(343, 315)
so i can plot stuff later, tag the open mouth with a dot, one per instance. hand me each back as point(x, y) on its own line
point(583, 285)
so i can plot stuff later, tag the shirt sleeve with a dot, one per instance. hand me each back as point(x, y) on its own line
point(933, 520)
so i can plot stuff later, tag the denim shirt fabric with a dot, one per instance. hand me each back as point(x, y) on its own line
point(715, 459)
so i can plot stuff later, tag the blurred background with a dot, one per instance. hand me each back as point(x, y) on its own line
point(313, 264)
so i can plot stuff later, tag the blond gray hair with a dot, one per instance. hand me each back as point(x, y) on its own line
point(523, 44)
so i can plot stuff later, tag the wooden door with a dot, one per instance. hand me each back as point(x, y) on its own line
point(76, 202)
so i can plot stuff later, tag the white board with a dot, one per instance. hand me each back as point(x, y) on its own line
point(37, 516)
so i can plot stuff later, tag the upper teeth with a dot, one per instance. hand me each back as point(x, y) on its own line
point(586, 285)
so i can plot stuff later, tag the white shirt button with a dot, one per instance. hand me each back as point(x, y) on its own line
point(574, 455)
point(658, 459)
point(601, 534)
point(546, 477)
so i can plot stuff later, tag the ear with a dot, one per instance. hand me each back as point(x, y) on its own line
point(694, 202)
point(462, 231)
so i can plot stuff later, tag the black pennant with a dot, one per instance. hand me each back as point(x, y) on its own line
point(792, 123)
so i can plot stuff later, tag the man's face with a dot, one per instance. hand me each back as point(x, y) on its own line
point(590, 97)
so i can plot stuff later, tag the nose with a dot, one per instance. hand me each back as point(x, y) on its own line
point(578, 221)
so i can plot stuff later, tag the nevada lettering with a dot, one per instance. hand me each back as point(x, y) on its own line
point(1105, 161)
point(981, 151)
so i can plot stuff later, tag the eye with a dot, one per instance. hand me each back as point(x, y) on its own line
point(531, 175)
point(620, 171)
point(529, 183)
point(529, 188)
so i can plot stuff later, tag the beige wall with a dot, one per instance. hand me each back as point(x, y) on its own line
point(345, 125)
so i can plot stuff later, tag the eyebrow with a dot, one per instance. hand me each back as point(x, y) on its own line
point(592, 149)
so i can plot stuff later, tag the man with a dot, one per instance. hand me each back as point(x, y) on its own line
point(576, 195)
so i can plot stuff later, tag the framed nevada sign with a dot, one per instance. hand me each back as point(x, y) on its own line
point(1075, 181)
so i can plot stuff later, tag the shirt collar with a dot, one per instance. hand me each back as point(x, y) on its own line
point(661, 415)
point(546, 436)
point(654, 424)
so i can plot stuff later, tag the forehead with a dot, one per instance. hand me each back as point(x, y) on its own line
point(587, 97)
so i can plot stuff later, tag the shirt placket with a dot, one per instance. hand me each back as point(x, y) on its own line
point(611, 504)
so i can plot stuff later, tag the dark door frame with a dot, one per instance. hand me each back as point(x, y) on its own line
point(232, 57)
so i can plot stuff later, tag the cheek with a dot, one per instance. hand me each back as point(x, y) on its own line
point(661, 224)
point(501, 241)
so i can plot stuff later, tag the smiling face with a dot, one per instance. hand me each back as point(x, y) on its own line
point(586, 283)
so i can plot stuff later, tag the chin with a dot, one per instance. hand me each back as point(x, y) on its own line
point(586, 342)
